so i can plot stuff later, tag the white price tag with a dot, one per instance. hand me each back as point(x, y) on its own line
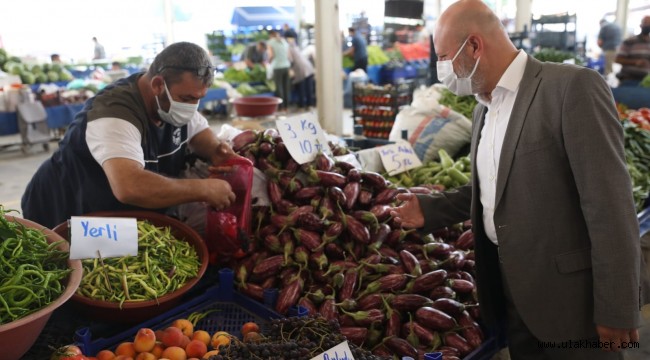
point(339, 352)
point(105, 236)
point(303, 137)
point(398, 157)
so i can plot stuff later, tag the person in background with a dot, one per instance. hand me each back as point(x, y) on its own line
point(55, 59)
point(116, 72)
point(303, 75)
point(556, 257)
point(634, 55)
point(255, 54)
point(128, 145)
point(421, 35)
point(609, 38)
point(99, 52)
point(357, 51)
point(280, 59)
point(289, 32)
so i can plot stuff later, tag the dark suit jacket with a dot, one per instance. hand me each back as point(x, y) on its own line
point(565, 219)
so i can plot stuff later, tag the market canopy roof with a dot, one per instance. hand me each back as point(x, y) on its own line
point(263, 15)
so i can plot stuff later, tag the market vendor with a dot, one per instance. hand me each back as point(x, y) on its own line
point(634, 55)
point(127, 147)
point(255, 54)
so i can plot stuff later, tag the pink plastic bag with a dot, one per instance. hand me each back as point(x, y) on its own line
point(223, 239)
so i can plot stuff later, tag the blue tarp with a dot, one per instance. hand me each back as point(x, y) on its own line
point(263, 16)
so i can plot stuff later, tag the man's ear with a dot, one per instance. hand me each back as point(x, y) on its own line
point(157, 85)
point(476, 44)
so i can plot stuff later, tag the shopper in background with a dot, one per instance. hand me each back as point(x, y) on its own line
point(55, 59)
point(289, 32)
point(99, 52)
point(255, 54)
point(303, 75)
point(127, 147)
point(280, 59)
point(609, 38)
point(634, 55)
point(555, 255)
point(358, 51)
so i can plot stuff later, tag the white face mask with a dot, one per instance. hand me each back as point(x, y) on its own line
point(179, 113)
point(446, 74)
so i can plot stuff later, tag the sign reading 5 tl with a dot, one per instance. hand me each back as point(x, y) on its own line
point(398, 157)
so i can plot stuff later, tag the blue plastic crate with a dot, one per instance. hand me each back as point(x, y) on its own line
point(8, 123)
point(374, 73)
point(230, 310)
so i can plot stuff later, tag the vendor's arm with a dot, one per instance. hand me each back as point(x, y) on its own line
point(115, 145)
point(132, 184)
point(208, 146)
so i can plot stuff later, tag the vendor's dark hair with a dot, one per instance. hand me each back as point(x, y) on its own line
point(179, 58)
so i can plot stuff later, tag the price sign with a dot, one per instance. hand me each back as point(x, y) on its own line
point(339, 352)
point(398, 157)
point(91, 237)
point(303, 137)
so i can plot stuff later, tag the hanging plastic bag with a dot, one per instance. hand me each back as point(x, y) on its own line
point(227, 231)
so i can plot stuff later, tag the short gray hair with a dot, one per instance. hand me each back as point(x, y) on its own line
point(179, 58)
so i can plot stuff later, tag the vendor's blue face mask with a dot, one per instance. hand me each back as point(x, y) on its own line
point(446, 74)
point(179, 113)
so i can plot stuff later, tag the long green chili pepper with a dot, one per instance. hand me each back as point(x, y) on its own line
point(31, 270)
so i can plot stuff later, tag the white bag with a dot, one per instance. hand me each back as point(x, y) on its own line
point(432, 129)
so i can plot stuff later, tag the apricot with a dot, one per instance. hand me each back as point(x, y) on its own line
point(248, 327)
point(172, 336)
point(220, 338)
point(196, 348)
point(144, 340)
point(252, 337)
point(105, 355)
point(174, 353)
point(158, 349)
point(146, 356)
point(159, 334)
point(126, 348)
point(202, 336)
point(186, 340)
point(185, 325)
point(123, 357)
point(210, 353)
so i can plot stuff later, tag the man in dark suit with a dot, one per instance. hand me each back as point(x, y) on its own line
point(557, 238)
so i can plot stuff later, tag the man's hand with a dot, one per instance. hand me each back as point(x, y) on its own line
point(219, 194)
point(221, 153)
point(616, 336)
point(408, 214)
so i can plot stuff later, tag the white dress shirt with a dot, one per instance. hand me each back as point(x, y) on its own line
point(492, 137)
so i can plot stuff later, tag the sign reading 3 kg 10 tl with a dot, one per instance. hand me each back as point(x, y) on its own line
point(303, 137)
point(398, 157)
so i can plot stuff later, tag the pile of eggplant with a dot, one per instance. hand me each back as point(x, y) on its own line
point(328, 243)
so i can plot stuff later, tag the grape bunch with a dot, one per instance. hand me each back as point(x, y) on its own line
point(292, 338)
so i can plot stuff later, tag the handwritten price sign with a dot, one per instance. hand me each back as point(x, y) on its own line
point(303, 137)
point(398, 157)
point(110, 236)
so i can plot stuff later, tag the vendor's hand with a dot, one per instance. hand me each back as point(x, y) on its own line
point(222, 153)
point(408, 214)
point(219, 194)
point(616, 339)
